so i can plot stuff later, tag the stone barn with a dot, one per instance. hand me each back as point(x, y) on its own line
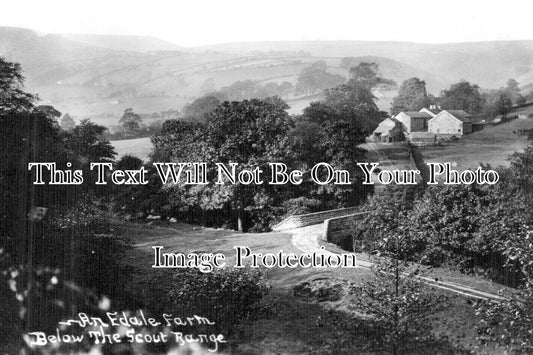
point(413, 121)
point(450, 123)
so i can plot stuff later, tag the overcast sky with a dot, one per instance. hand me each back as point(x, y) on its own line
point(200, 22)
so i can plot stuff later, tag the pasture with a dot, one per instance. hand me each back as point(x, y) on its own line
point(492, 146)
point(139, 147)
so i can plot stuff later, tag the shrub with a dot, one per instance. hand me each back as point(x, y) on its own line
point(224, 297)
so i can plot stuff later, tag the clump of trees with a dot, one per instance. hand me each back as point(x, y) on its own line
point(130, 120)
point(49, 230)
point(255, 132)
point(471, 228)
point(248, 89)
point(199, 108)
point(315, 79)
point(412, 96)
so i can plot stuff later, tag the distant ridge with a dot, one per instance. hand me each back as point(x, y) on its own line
point(129, 43)
point(91, 75)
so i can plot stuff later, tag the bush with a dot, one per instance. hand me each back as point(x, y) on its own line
point(75, 257)
point(224, 297)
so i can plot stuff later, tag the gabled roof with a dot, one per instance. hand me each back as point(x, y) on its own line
point(382, 128)
point(392, 119)
point(416, 114)
point(460, 115)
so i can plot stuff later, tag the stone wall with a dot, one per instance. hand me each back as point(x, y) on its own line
point(309, 219)
point(339, 230)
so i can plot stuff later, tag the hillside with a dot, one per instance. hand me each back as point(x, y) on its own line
point(124, 43)
point(493, 146)
point(489, 64)
point(98, 76)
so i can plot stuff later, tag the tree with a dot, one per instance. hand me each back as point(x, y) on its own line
point(315, 78)
point(12, 96)
point(338, 124)
point(48, 111)
point(130, 120)
point(355, 100)
point(240, 90)
point(367, 75)
point(199, 108)
point(462, 96)
point(251, 133)
point(503, 104)
point(67, 123)
point(86, 143)
point(412, 96)
point(509, 322)
point(513, 92)
point(179, 141)
point(131, 126)
point(400, 306)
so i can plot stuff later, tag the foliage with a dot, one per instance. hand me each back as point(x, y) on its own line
point(315, 79)
point(331, 131)
point(130, 120)
point(49, 230)
point(87, 144)
point(366, 75)
point(225, 297)
point(301, 205)
point(473, 228)
point(412, 96)
point(509, 322)
point(178, 141)
point(253, 133)
point(12, 96)
point(512, 91)
point(462, 96)
point(248, 89)
point(67, 122)
point(399, 306)
point(199, 108)
point(386, 212)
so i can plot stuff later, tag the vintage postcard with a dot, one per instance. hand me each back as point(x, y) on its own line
point(266, 177)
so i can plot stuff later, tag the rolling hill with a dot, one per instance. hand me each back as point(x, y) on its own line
point(98, 76)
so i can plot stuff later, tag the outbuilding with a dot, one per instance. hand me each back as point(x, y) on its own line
point(413, 121)
point(389, 130)
point(448, 123)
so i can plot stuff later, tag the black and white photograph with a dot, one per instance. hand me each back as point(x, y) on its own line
point(266, 177)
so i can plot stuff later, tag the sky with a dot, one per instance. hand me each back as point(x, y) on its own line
point(203, 22)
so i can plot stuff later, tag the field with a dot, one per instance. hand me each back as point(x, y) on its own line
point(492, 146)
point(312, 319)
point(139, 147)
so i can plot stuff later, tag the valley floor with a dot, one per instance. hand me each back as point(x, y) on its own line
point(309, 308)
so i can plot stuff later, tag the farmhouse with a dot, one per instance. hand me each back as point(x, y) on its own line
point(413, 121)
point(449, 123)
point(389, 130)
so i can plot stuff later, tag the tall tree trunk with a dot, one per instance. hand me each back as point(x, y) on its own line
point(240, 216)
